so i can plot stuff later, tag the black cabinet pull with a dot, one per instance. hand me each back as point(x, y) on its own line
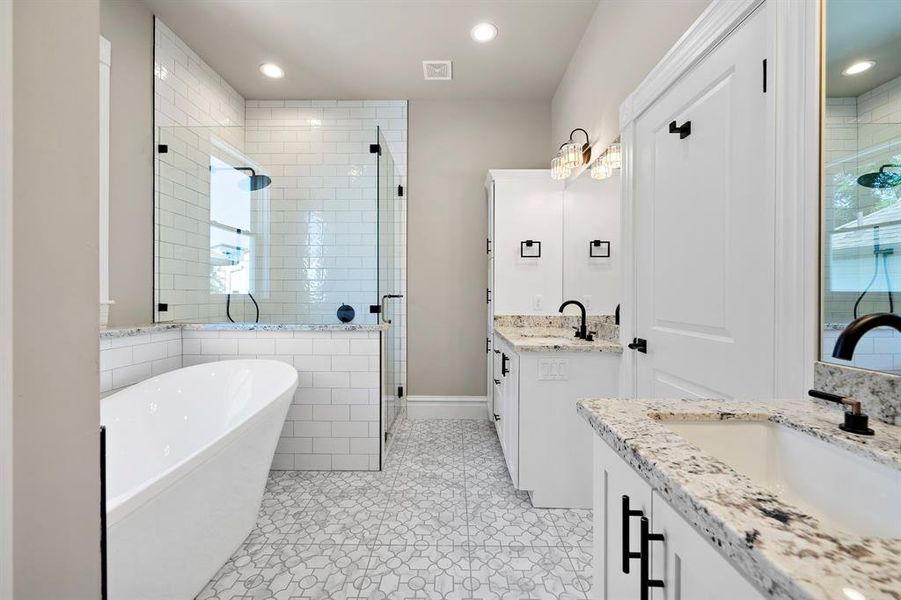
point(684, 130)
point(497, 382)
point(628, 512)
point(504, 369)
point(646, 538)
point(497, 417)
point(639, 344)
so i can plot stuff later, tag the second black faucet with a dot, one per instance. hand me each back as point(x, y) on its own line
point(582, 332)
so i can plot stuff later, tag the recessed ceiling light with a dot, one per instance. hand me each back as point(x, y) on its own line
point(859, 67)
point(483, 32)
point(272, 70)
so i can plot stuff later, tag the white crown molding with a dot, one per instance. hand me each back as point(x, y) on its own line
point(714, 25)
point(447, 407)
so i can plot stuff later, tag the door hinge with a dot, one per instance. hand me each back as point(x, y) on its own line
point(400, 391)
point(764, 76)
point(487, 345)
point(375, 149)
point(400, 191)
point(488, 246)
point(488, 296)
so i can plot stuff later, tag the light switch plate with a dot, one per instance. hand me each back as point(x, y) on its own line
point(538, 302)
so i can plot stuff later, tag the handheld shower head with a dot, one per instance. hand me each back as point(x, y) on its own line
point(881, 179)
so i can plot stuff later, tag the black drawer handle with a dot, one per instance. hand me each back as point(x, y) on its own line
point(504, 369)
point(646, 538)
point(497, 417)
point(627, 513)
point(497, 382)
point(684, 130)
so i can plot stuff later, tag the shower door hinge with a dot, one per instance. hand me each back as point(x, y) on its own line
point(162, 148)
point(375, 308)
point(400, 191)
point(375, 149)
point(162, 307)
point(400, 391)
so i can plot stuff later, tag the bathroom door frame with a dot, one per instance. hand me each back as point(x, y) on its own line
point(6, 309)
point(793, 32)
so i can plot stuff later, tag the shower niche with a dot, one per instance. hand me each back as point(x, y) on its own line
point(861, 178)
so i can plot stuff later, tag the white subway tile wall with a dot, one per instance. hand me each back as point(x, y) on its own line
point(127, 360)
point(861, 134)
point(333, 422)
point(317, 244)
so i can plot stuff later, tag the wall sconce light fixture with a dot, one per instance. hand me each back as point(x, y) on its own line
point(559, 170)
point(571, 155)
point(610, 159)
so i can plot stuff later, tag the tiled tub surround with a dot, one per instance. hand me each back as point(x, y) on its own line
point(441, 521)
point(554, 333)
point(333, 422)
point(879, 393)
point(790, 557)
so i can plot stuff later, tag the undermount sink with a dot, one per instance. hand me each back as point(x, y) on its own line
point(837, 486)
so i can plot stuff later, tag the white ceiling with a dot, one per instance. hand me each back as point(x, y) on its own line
point(862, 30)
point(373, 49)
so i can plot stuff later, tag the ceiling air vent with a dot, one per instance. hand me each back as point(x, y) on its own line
point(437, 70)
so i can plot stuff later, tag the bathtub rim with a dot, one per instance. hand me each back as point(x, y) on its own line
point(120, 507)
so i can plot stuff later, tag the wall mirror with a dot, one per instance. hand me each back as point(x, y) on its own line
point(861, 176)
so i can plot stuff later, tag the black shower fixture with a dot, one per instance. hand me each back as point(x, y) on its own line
point(254, 182)
point(881, 179)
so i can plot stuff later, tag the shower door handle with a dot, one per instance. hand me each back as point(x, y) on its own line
point(382, 312)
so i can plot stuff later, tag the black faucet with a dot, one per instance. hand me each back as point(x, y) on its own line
point(581, 331)
point(847, 341)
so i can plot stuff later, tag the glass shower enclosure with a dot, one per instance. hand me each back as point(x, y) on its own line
point(275, 223)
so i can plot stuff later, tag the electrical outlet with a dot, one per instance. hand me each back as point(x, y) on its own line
point(538, 302)
point(553, 369)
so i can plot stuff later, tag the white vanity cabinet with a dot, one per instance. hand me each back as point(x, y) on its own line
point(689, 566)
point(545, 444)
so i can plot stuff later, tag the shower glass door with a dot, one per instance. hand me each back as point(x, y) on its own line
point(390, 289)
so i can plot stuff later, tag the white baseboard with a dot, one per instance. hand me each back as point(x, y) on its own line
point(447, 407)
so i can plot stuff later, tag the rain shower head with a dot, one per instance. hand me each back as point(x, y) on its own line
point(882, 179)
point(254, 182)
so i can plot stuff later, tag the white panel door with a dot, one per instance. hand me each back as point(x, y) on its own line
point(705, 229)
point(528, 207)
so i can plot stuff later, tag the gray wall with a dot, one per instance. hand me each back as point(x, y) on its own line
point(451, 147)
point(128, 25)
point(622, 43)
point(56, 481)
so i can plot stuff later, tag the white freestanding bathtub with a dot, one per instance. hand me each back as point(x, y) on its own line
point(188, 454)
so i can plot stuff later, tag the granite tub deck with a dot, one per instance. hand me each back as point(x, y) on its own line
point(787, 554)
point(554, 333)
point(120, 332)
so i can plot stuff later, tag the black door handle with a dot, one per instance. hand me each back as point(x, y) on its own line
point(646, 538)
point(504, 369)
point(639, 344)
point(628, 512)
point(684, 130)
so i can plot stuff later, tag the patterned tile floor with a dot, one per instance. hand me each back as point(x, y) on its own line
point(441, 521)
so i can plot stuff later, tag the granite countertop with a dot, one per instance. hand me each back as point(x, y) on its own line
point(120, 332)
point(553, 339)
point(787, 554)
